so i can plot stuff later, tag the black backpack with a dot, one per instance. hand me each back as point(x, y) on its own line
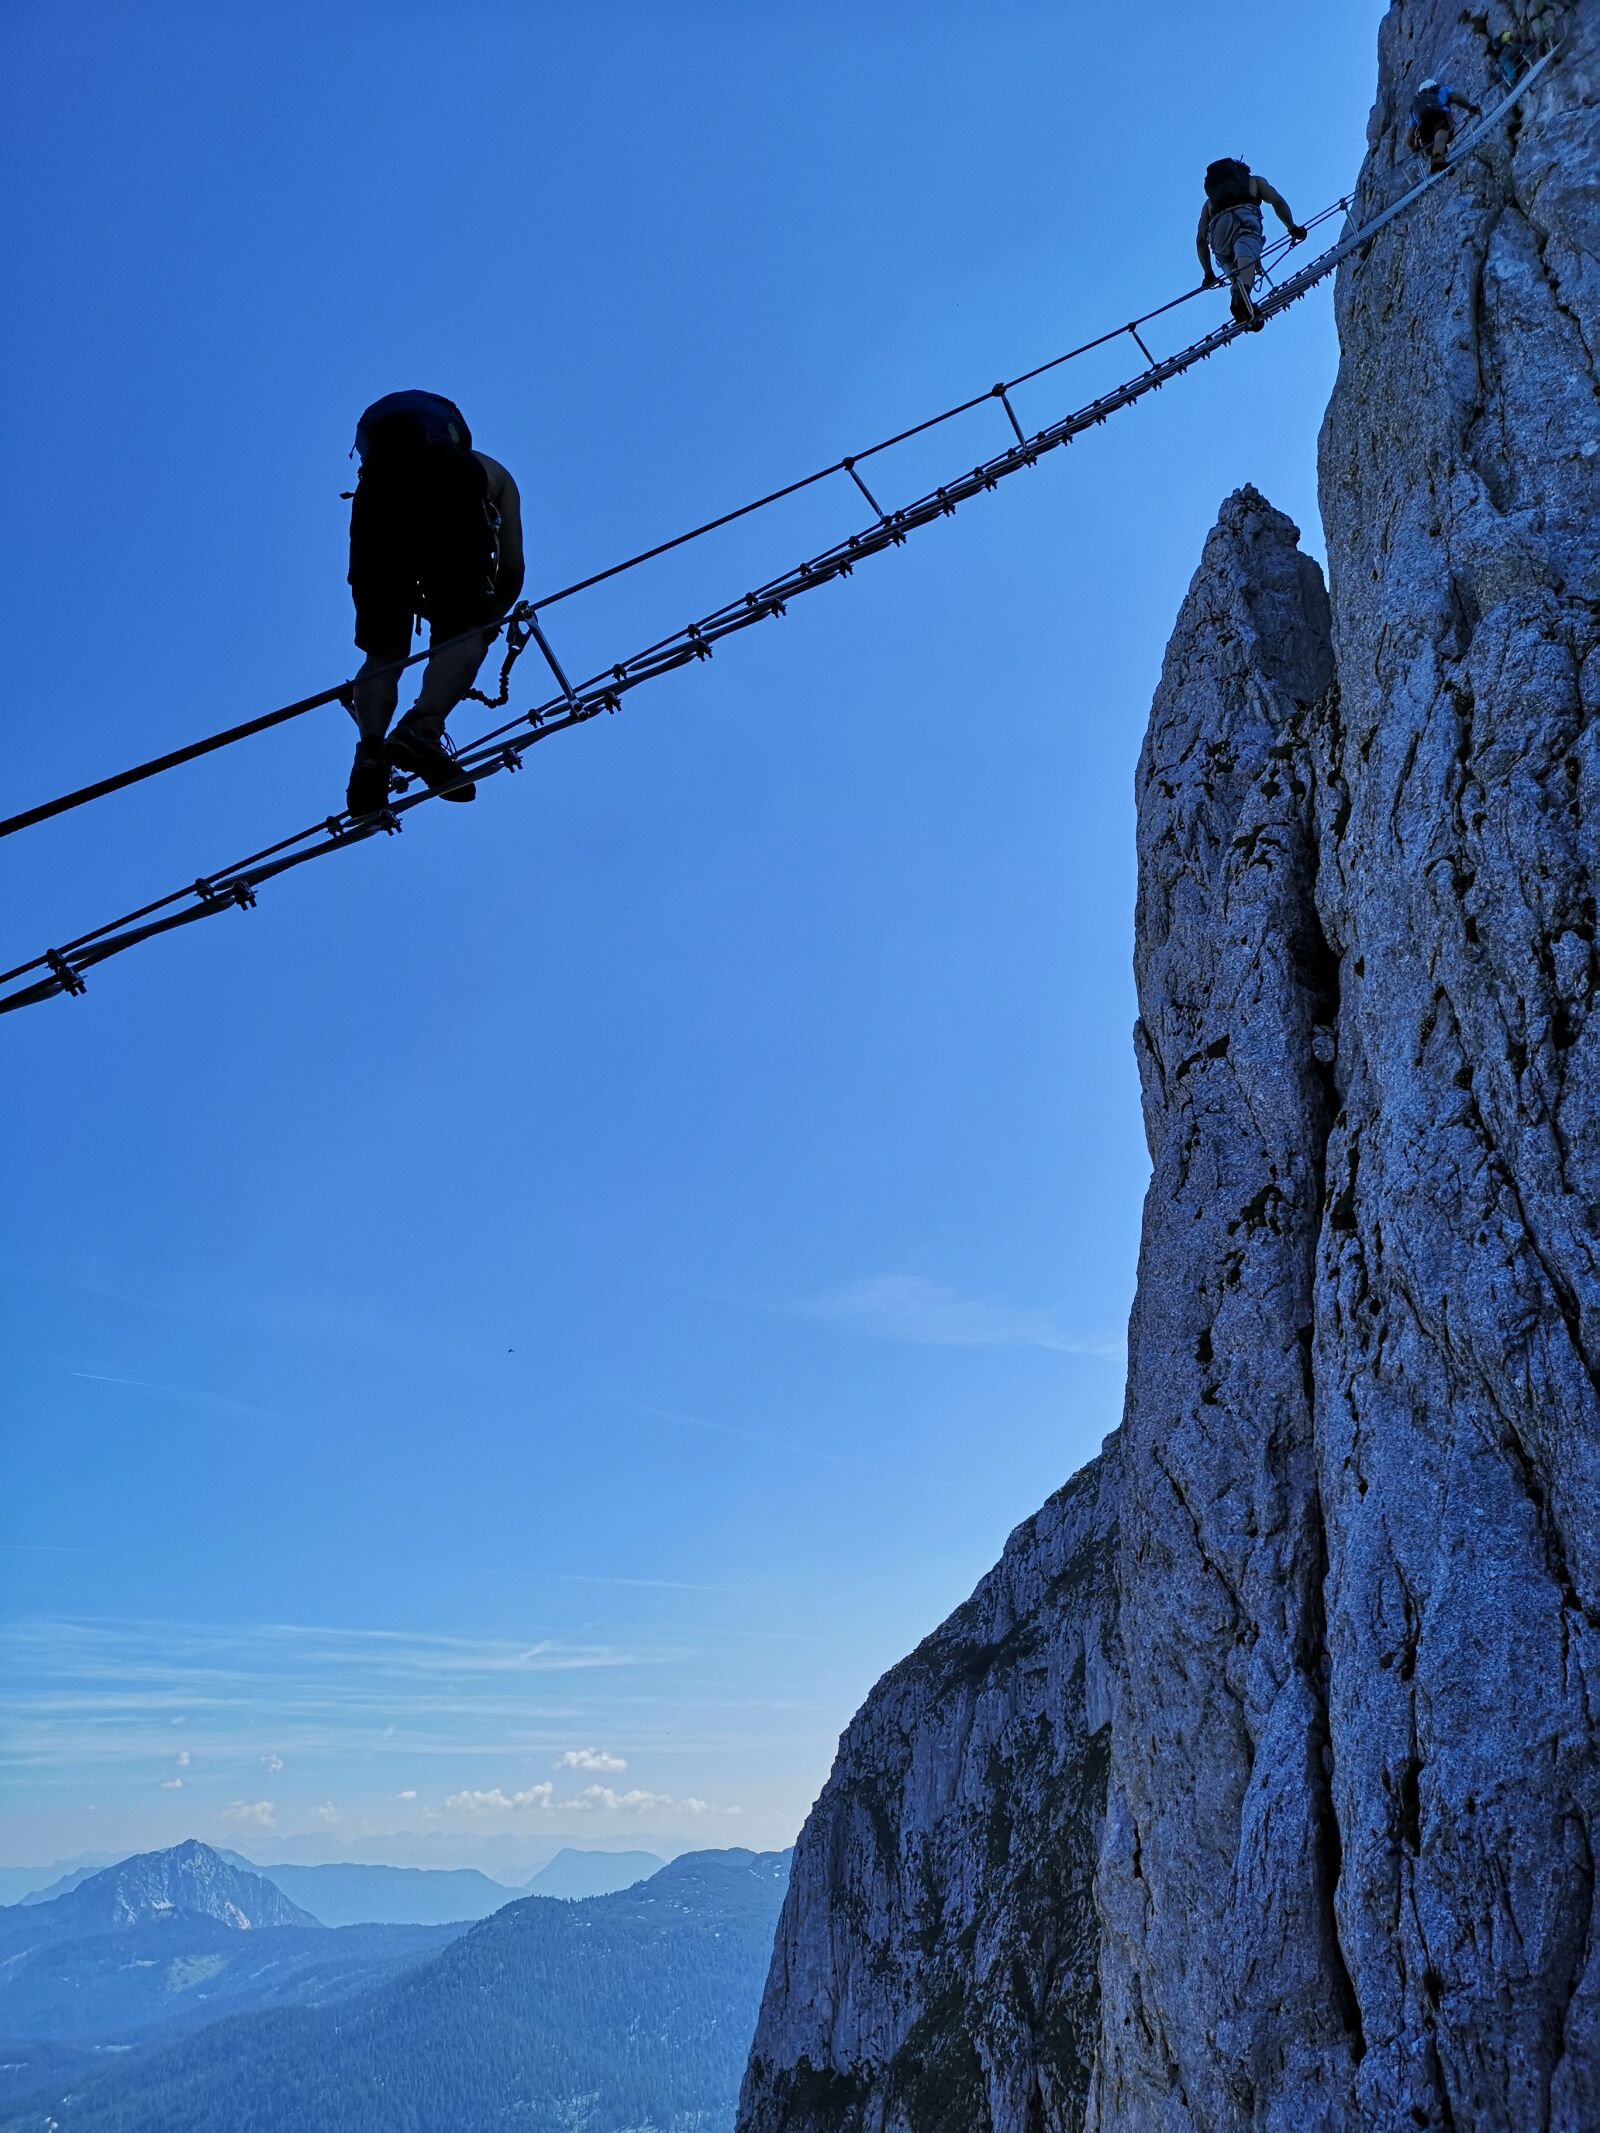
point(1227, 183)
point(405, 422)
point(1430, 103)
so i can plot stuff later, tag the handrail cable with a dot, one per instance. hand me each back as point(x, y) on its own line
point(495, 750)
point(191, 752)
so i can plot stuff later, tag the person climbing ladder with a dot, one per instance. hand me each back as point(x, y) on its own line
point(1231, 232)
point(435, 533)
point(1432, 127)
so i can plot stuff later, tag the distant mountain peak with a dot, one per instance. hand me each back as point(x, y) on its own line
point(189, 1880)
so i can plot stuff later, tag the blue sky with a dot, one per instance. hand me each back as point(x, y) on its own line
point(514, 1334)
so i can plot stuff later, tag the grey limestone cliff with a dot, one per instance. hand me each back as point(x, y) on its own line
point(936, 1959)
point(1458, 1306)
point(1332, 1744)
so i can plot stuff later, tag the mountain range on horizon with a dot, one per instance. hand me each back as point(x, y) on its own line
point(188, 1881)
point(346, 1893)
point(151, 2000)
point(167, 1941)
point(506, 1856)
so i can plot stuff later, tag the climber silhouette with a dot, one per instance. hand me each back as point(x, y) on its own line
point(435, 533)
point(1231, 232)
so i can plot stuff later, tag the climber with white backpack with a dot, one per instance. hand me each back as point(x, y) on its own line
point(1231, 232)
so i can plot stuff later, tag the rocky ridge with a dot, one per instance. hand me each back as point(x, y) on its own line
point(1346, 1595)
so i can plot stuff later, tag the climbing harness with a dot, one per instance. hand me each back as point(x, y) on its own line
point(502, 747)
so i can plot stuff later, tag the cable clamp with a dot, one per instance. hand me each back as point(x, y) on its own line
point(611, 700)
point(71, 981)
point(945, 505)
point(697, 643)
point(510, 757)
point(334, 827)
point(233, 892)
point(389, 822)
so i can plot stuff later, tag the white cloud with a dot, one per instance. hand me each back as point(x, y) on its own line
point(613, 1802)
point(495, 1801)
point(184, 1758)
point(589, 1759)
point(272, 1763)
point(250, 1814)
point(328, 1813)
point(606, 1800)
point(405, 1795)
point(180, 1721)
point(172, 1784)
point(927, 1314)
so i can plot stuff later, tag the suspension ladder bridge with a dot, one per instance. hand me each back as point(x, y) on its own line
point(60, 970)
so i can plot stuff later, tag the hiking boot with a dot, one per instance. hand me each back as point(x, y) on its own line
point(431, 758)
point(368, 790)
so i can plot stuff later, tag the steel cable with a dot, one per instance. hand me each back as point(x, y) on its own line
point(192, 751)
point(235, 885)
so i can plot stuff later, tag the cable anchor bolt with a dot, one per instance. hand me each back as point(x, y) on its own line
point(71, 980)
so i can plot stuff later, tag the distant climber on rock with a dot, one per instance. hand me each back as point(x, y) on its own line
point(1511, 54)
point(435, 533)
point(1231, 232)
point(1432, 127)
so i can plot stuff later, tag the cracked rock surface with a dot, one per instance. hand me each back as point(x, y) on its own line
point(935, 1963)
point(1258, 1787)
point(1457, 1359)
point(1222, 1978)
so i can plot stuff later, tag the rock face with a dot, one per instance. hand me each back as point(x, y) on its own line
point(1346, 1612)
point(1457, 1362)
point(936, 1959)
point(1220, 1963)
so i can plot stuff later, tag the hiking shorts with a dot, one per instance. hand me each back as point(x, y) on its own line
point(1237, 239)
point(422, 543)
